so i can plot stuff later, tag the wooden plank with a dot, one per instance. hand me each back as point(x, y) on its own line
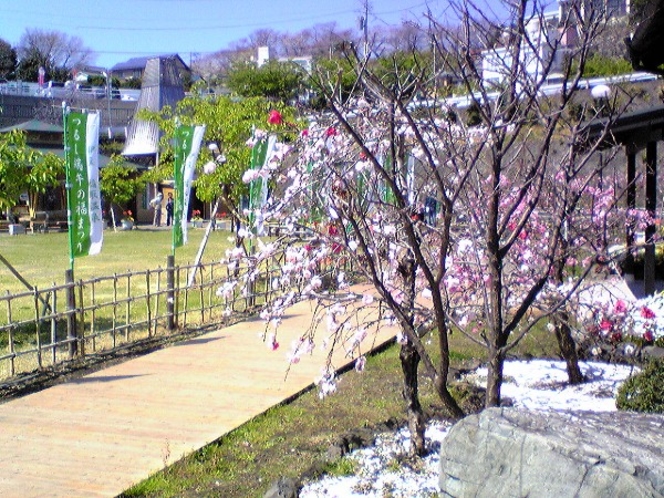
point(100, 434)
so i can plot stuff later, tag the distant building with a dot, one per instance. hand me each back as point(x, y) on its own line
point(305, 62)
point(548, 45)
point(161, 86)
point(544, 48)
point(263, 56)
point(134, 68)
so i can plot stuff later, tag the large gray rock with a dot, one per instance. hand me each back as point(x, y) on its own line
point(509, 452)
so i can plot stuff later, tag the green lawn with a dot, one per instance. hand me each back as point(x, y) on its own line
point(42, 259)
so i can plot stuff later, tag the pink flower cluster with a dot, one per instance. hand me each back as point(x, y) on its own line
point(643, 318)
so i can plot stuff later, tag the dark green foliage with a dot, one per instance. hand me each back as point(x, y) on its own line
point(644, 392)
point(8, 60)
point(402, 71)
point(336, 71)
point(276, 81)
point(132, 83)
point(600, 65)
point(473, 115)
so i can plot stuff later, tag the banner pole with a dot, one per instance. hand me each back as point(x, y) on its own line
point(178, 199)
point(68, 185)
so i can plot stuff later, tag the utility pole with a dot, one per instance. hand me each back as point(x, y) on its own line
point(364, 22)
point(433, 49)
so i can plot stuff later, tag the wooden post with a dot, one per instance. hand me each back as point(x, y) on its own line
point(631, 205)
point(170, 293)
point(71, 313)
point(651, 206)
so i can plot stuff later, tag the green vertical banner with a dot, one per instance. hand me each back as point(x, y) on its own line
point(187, 146)
point(388, 196)
point(258, 189)
point(83, 195)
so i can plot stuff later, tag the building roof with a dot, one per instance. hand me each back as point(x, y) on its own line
point(34, 125)
point(161, 86)
point(141, 62)
point(633, 129)
point(103, 160)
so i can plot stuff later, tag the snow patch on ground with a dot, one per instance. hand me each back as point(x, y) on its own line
point(385, 468)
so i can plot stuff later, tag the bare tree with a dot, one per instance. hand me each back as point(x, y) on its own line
point(454, 228)
point(56, 52)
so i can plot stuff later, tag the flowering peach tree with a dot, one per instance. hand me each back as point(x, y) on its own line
point(438, 227)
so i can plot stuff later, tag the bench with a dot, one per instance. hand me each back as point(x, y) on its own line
point(16, 229)
point(43, 221)
point(12, 228)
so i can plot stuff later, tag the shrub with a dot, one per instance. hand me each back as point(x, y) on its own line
point(644, 392)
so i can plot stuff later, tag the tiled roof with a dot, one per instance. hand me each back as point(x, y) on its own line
point(140, 62)
point(161, 86)
point(34, 125)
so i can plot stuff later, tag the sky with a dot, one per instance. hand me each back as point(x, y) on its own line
point(117, 30)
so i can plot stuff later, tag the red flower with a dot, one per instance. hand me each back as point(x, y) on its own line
point(305, 133)
point(275, 117)
point(331, 131)
point(648, 336)
point(605, 324)
point(647, 313)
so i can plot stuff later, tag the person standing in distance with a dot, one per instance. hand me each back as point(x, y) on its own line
point(156, 205)
point(169, 210)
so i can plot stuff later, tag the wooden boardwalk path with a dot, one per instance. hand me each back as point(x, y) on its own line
point(99, 434)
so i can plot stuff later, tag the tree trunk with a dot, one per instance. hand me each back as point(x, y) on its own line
point(410, 359)
point(494, 379)
point(115, 228)
point(448, 401)
point(568, 348)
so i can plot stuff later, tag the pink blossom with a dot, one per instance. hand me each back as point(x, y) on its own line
point(648, 336)
point(647, 313)
point(331, 132)
point(250, 175)
point(605, 324)
point(621, 306)
point(272, 342)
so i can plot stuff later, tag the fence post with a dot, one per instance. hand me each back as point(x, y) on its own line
point(71, 313)
point(170, 292)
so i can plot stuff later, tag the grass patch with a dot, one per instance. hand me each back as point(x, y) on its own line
point(291, 440)
point(341, 467)
point(42, 259)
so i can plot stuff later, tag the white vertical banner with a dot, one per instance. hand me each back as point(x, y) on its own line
point(188, 144)
point(258, 189)
point(410, 179)
point(94, 192)
point(83, 195)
